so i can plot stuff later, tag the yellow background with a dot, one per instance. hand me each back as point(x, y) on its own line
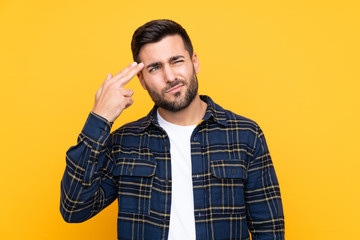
point(292, 66)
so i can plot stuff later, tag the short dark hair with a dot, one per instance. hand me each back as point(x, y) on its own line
point(155, 31)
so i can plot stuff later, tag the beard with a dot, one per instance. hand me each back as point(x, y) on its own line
point(180, 102)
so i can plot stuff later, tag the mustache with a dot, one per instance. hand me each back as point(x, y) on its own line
point(173, 84)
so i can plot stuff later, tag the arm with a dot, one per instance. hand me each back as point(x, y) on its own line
point(262, 194)
point(88, 186)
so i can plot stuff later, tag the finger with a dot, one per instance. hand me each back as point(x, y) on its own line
point(97, 94)
point(125, 70)
point(107, 81)
point(132, 73)
point(130, 102)
point(127, 92)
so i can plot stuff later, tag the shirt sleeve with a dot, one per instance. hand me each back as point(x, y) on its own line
point(262, 193)
point(87, 185)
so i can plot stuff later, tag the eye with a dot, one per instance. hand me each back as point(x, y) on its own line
point(154, 69)
point(178, 61)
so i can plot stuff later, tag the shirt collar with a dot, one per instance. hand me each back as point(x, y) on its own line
point(213, 112)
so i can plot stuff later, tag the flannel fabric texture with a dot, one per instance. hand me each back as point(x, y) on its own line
point(234, 182)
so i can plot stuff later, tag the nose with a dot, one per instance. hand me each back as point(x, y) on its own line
point(169, 73)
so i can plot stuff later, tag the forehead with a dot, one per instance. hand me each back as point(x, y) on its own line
point(163, 50)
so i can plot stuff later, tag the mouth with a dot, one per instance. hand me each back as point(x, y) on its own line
point(175, 89)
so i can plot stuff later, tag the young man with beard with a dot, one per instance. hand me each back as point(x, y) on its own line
point(188, 170)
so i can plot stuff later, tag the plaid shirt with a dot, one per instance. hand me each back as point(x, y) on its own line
point(234, 183)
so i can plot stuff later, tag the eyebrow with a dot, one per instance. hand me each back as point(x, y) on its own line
point(155, 64)
point(174, 58)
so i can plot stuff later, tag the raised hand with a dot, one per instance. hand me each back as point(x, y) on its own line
point(111, 98)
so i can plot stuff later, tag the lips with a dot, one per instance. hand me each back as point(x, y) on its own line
point(176, 88)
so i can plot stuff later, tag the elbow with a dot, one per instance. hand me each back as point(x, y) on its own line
point(69, 220)
point(71, 217)
point(67, 217)
point(70, 210)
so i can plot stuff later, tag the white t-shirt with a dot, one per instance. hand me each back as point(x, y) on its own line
point(182, 218)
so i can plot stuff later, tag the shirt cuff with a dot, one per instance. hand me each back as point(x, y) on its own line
point(97, 128)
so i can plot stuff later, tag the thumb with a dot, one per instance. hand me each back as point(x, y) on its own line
point(109, 76)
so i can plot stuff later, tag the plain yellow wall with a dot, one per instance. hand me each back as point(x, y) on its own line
point(292, 66)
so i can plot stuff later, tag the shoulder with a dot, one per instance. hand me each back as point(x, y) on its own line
point(232, 117)
point(234, 120)
point(238, 129)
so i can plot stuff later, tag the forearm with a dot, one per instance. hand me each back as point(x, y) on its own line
point(87, 186)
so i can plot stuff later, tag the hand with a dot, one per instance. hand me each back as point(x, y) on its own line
point(111, 98)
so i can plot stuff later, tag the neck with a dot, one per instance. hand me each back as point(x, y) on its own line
point(191, 115)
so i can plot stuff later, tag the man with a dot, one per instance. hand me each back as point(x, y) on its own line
point(188, 170)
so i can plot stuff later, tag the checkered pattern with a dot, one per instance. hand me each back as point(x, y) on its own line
point(235, 187)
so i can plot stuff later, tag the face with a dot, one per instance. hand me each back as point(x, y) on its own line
point(169, 74)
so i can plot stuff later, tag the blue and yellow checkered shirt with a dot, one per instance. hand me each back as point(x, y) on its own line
point(234, 182)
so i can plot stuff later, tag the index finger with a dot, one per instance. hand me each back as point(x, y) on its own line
point(123, 80)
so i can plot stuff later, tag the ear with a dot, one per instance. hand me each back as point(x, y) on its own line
point(141, 79)
point(196, 63)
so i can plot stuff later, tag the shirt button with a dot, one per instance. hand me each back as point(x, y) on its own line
point(233, 171)
point(131, 170)
point(166, 181)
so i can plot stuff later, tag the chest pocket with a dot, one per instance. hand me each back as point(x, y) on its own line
point(227, 186)
point(135, 185)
